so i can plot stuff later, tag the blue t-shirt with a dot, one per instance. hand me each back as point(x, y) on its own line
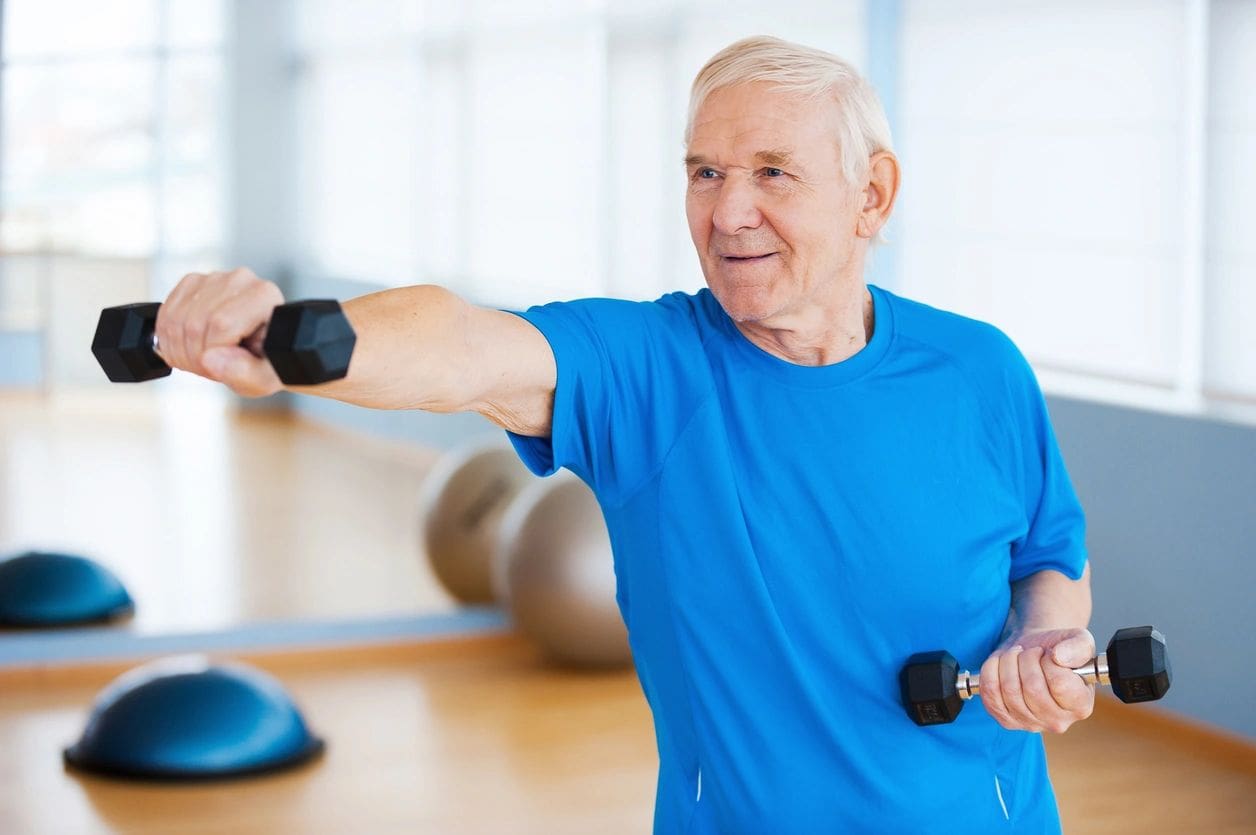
point(786, 536)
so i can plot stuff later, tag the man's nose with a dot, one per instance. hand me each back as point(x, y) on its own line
point(735, 208)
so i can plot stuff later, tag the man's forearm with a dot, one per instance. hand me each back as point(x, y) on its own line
point(410, 351)
point(1049, 600)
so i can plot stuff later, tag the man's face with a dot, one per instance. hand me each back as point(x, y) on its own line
point(772, 219)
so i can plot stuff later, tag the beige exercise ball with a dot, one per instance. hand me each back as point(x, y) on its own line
point(553, 572)
point(461, 506)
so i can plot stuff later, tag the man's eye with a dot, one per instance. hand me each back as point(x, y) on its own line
point(773, 172)
point(706, 173)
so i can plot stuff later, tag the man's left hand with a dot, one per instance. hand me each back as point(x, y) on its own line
point(1028, 683)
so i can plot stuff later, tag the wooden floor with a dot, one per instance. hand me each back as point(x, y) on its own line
point(212, 518)
point(480, 737)
point(1123, 771)
point(454, 738)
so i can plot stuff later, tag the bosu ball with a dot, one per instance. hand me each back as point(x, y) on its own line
point(42, 589)
point(183, 718)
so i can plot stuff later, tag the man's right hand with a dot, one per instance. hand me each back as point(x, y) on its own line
point(202, 324)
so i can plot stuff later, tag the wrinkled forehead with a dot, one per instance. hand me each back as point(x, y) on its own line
point(752, 119)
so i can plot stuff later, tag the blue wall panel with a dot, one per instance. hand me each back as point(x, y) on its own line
point(21, 359)
point(1171, 510)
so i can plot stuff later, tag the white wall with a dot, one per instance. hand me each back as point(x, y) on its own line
point(1230, 339)
point(1043, 175)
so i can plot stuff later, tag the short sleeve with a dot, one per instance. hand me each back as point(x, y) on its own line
point(1055, 537)
point(627, 374)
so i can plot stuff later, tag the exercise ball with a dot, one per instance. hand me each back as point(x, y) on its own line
point(554, 573)
point(460, 507)
point(44, 589)
point(184, 718)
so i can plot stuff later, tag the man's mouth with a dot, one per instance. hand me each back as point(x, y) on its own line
point(747, 259)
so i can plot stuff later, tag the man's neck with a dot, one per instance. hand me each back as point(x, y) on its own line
point(817, 334)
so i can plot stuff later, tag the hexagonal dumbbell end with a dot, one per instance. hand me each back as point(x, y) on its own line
point(927, 684)
point(309, 342)
point(1138, 665)
point(123, 344)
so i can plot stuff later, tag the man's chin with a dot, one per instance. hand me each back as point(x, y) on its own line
point(746, 316)
point(747, 308)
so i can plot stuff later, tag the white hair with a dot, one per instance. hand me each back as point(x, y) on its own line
point(809, 73)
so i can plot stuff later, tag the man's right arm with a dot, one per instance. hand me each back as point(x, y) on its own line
point(417, 347)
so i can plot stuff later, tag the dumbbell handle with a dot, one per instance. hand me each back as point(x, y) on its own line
point(251, 343)
point(1094, 671)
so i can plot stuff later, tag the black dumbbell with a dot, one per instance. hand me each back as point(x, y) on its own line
point(307, 343)
point(1136, 665)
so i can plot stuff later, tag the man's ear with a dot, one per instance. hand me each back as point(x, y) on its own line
point(879, 194)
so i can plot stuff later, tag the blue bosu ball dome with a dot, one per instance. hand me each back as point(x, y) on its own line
point(42, 589)
point(185, 718)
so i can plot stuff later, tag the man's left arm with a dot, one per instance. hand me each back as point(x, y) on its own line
point(1028, 682)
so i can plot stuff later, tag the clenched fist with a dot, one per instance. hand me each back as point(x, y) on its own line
point(213, 325)
point(1028, 683)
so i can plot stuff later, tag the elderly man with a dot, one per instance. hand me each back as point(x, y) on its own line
point(806, 479)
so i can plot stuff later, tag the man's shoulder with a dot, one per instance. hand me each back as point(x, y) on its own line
point(669, 330)
point(675, 308)
point(974, 344)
